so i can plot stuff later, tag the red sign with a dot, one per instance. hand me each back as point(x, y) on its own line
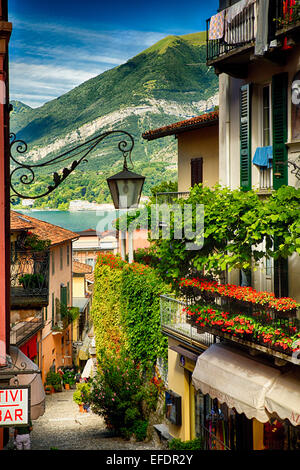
point(14, 406)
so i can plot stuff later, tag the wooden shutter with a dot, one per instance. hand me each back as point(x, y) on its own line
point(245, 137)
point(279, 128)
point(196, 171)
point(63, 295)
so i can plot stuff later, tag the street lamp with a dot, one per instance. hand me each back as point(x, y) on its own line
point(125, 188)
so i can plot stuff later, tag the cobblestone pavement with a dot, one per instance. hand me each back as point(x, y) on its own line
point(63, 427)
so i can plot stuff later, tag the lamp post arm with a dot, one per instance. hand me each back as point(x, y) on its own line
point(24, 173)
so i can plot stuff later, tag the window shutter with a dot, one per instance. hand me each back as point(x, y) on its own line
point(245, 137)
point(196, 171)
point(279, 120)
point(63, 295)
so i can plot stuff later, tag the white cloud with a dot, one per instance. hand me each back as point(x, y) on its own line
point(58, 57)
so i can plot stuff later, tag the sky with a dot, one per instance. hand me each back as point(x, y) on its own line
point(57, 45)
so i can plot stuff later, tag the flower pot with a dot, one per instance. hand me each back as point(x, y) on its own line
point(81, 410)
point(67, 386)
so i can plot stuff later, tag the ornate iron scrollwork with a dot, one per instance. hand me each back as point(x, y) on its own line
point(25, 173)
point(296, 168)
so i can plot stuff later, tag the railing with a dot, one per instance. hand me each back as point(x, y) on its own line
point(29, 279)
point(24, 330)
point(287, 14)
point(265, 178)
point(174, 320)
point(240, 31)
point(274, 330)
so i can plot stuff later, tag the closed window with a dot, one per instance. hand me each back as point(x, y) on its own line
point(61, 257)
point(196, 171)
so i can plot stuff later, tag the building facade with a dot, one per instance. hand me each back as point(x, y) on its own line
point(226, 385)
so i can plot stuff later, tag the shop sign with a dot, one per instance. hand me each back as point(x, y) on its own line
point(187, 363)
point(14, 405)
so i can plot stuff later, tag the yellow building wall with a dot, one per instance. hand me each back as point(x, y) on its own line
point(78, 286)
point(178, 382)
point(194, 144)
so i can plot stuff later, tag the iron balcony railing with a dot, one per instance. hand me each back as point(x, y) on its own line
point(174, 321)
point(273, 330)
point(241, 31)
point(24, 330)
point(29, 279)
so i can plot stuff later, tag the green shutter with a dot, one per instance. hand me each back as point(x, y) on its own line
point(279, 128)
point(245, 137)
point(63, 295)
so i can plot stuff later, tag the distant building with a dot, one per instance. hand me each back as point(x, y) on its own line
point(89, 244)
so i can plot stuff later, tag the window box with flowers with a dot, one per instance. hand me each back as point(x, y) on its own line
point(245, 314)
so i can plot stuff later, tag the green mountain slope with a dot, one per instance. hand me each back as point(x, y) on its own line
point(165, 83)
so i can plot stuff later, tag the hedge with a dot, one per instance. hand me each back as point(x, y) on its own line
point(126, 309)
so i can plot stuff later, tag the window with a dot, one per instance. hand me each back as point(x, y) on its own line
point(61, 257)
point(53, 262)
point(68, 293)
point(90, 262)
point(265, 173)
point(196, 171)
point(53, 309)
point(296, 107)
point(68, 255)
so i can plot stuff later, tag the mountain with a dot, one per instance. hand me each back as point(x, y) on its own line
point(165, 83)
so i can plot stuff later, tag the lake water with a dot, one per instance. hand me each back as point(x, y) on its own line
point(76, 221)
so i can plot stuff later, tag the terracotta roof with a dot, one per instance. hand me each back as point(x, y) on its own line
point(18, 222)
point(197, 122)
point(44, 230)
point(90, 277)
point(88, 233)
point(81, 268)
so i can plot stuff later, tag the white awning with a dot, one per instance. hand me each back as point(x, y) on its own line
point(37, 392)
point(284, 397)
point(235, 379)
point(89, 370)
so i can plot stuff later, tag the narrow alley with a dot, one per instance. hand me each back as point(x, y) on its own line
point(63, 427)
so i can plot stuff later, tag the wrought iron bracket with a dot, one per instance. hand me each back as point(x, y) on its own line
point(24, 172)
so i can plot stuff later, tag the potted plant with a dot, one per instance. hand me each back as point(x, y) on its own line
point(53, 379)
point(31, 281)
point(81, 395)
point(68, 379)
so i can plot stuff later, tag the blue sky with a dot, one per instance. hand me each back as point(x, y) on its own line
point(56, 45)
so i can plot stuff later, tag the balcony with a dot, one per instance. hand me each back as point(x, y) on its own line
point(175, 322)
point(232, 34)
point(230, 44)
point(29, 279)
point(23, 330)
point(257, 320)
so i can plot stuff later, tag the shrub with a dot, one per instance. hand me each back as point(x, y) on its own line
point(53, 378)
point(194, 444)
point(82, 393)
point(118, 393)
